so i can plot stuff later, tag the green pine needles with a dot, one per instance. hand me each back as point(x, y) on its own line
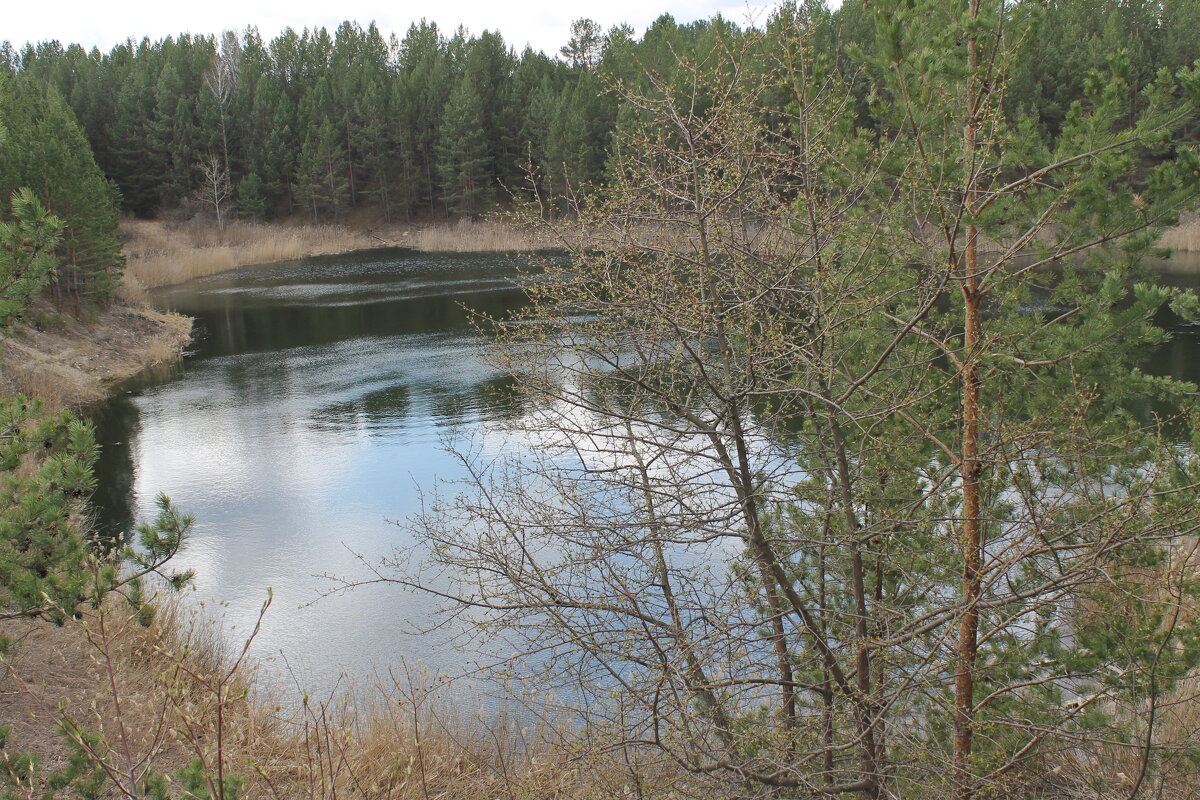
point(46, 478)
point(27, 261)
point(49, 565)
point(43, 150)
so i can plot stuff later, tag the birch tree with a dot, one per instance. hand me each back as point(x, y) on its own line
point(220, 79)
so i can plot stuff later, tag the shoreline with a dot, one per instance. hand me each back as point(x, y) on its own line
point(71, 362)
point(161, 253)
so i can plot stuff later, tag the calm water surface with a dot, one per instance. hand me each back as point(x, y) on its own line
point(309, 414)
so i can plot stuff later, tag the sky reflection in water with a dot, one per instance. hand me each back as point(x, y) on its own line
point(310, 413)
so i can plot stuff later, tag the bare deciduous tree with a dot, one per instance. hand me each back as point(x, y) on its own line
point(221, 79)
point(837, 484)
point(215, 188)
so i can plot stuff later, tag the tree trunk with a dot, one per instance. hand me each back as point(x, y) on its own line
point(972, 525)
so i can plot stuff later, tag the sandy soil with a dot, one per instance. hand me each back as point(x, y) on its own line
point(48, 668)
point(72, 362)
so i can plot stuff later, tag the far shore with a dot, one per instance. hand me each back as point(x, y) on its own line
point(164, 253)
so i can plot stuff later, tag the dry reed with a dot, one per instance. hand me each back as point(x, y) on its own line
point(473, 236)
point(162, 253)
point(1185, 236)
point(58, 386)
point(496, 235)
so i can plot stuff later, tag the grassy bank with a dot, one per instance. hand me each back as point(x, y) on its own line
point(1185, 236)
point(70, 361)
point(474, 236)
point(163, 253)
point(166, 253)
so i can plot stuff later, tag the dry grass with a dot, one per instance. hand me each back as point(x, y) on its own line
point(473, 236)
point(70, 361)
point(57, 385)
point(1164, 712)
point(164, 253)
point(496, 235)
point(406, 741)
point(1185, 236)
point(80, 671)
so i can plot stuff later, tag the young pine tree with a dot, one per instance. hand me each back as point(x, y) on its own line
point(322, 181)
point(44, 149)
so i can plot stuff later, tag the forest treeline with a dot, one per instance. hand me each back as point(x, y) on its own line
point(434, 124)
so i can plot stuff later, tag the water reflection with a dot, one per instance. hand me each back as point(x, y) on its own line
point(309, 414)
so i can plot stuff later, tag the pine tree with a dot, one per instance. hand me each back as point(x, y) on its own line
point(42, 548)
point(374, 132)
point(490, 63)
point(276, 146)
point(423, 87)
point(180, 175)
point(462, 152)
point(583, 49)
point(322, 173)
point(250, 198)
point(171, 139)
point(44, 149)
point(27, 262)
point(134, 160)
point(49, 565)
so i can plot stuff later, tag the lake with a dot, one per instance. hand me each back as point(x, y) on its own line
point(309, 414)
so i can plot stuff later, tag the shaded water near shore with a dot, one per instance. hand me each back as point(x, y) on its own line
point(311, 413)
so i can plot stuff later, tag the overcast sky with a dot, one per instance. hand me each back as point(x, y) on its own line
point(541, 23)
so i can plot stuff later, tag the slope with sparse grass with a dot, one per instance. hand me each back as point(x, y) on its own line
point(154, 693)
point(69, 360)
